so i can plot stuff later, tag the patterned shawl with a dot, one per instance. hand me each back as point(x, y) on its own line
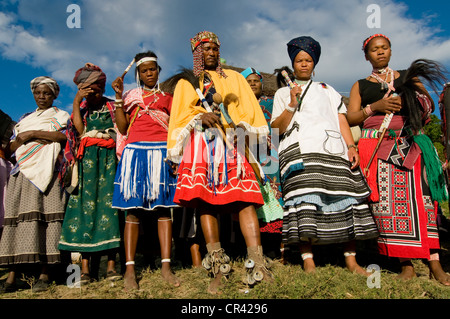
point(37, 161)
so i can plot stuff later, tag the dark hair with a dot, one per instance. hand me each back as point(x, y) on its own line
point(148, 54)
point(183, 74)
point(281, 82)
point(366, 48)
point(433, 74)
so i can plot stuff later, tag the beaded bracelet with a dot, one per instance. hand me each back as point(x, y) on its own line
point(352, 145)
point(368, 110)
point(290, 109)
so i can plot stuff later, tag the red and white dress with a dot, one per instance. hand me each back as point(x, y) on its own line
point(210, 172)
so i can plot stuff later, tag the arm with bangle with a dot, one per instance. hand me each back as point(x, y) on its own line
point(121, 117)
point(352, 149)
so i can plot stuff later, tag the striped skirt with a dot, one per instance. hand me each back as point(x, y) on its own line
point(143, 179)
point(326, 203)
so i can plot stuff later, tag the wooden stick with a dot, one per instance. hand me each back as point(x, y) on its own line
point(208, 109)
point(249, 155)
point(224, 136)
point(128, 68)
point(288, 80)
point(383, 127)
point(366, 169)
point(291, 85)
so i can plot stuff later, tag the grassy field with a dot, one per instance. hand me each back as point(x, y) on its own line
point(331, 281)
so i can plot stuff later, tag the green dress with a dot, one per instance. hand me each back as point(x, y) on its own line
point(90, 224)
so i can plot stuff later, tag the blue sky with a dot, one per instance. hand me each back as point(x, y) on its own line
point(35, 39)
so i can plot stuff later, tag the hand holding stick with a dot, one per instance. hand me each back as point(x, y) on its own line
point(288, 80)
point(293, 86)
point(224, 109)
point(209, 110)
point(383, 128)
point(117, 84)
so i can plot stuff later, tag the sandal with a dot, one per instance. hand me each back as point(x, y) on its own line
point(6, 287)
point(41, 285)
point(112, 275)
point(85, 279)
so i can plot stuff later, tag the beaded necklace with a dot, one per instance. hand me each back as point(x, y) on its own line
point(147, 93)
point(301, 83)
point(385, 85)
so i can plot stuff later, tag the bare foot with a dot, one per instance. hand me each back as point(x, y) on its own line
point(354, 267)
point(438, 273)
point(407, 271)
point(359, 270)
point(170, 277)
point(129, 281)
point(215, 284)
point(309, 266)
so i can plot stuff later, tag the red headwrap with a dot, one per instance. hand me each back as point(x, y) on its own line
point(90, 74)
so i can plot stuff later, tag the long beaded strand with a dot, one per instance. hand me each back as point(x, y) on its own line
point(384, 84)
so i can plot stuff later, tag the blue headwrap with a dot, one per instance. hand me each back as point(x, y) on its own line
point(307, 44)
point(249, 71)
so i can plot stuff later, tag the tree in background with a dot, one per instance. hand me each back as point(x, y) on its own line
point(434, 131)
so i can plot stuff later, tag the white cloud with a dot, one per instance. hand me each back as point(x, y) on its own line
point(253, 33)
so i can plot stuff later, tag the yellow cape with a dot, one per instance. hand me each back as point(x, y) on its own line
point(245, 110)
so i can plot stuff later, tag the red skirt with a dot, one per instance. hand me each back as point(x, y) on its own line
point(200, 181)
point(405, 214)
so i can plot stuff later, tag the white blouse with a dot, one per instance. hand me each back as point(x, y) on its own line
point(318, 123)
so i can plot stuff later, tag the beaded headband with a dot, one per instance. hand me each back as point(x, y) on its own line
point(372, 37)
point(146, 59)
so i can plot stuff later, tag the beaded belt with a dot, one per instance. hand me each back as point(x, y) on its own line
point(373, 133)
point(369, 133)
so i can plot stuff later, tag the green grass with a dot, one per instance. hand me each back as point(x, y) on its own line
point(331, 281)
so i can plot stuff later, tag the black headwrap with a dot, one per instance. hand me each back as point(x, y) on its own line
point(304, 43)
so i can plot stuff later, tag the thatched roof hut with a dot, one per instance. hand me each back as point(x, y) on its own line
point(269, 80)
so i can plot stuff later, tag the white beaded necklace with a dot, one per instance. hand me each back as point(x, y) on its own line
point(384, 84)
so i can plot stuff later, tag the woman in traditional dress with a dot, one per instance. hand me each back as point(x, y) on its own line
point(323, 190)
point(35, 200)
point(145, 183)
point(6, 131)
point(214, 176)
point(405, 176)
point(91, 225)
point(270, 215)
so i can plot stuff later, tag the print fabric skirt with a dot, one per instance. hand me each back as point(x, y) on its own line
point(32, 224)
point(90, 224)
